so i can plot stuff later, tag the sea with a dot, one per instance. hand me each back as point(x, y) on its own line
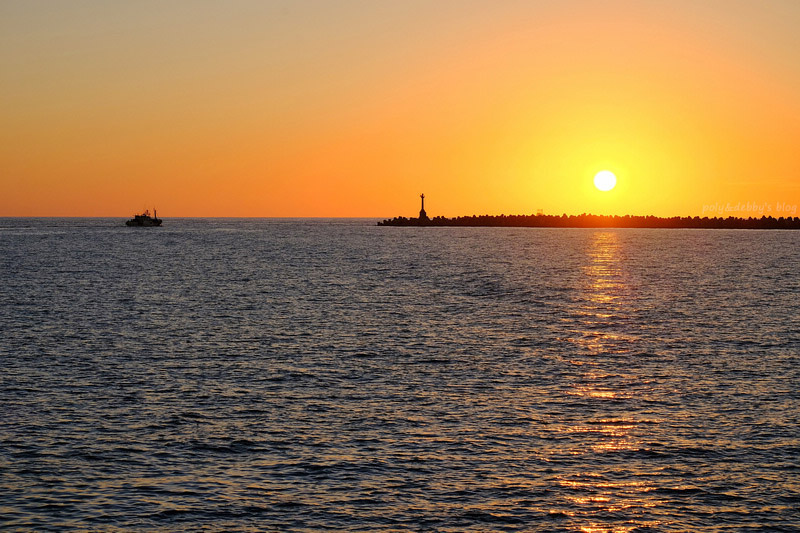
point(303, 375)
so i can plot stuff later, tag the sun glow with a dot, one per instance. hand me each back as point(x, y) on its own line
point(223, 118)
point(605, 180)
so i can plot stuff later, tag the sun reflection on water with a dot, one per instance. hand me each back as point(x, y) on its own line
point(603, 332)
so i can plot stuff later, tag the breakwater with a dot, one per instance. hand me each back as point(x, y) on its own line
point(600, 221)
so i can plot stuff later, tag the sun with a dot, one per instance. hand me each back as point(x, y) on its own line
point(605, 180)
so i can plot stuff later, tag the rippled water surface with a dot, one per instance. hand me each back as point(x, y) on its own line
point(311, 375)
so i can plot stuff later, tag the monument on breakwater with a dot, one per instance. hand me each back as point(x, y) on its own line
point(422, 214)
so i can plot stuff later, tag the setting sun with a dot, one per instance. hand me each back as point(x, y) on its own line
point(605, 180)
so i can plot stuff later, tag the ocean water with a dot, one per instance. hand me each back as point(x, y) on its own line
point(331, 375)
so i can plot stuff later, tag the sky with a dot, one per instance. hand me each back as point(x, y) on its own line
point(353, 108)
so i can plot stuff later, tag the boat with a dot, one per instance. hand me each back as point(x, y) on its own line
point(145, 219)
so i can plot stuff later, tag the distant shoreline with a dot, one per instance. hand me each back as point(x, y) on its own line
point(599, 221)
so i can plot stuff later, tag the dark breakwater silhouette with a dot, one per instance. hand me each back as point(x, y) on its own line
point(599, 221)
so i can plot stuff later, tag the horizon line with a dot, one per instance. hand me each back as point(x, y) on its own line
point(323, 217)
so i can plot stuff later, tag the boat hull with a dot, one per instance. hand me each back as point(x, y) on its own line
point(144, 223)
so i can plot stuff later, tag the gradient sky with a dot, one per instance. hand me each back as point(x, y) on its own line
point(352, 108)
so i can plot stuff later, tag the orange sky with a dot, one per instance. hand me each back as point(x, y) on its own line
point(352, 108)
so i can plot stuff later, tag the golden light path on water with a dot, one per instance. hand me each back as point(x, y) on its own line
point(603, 331)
